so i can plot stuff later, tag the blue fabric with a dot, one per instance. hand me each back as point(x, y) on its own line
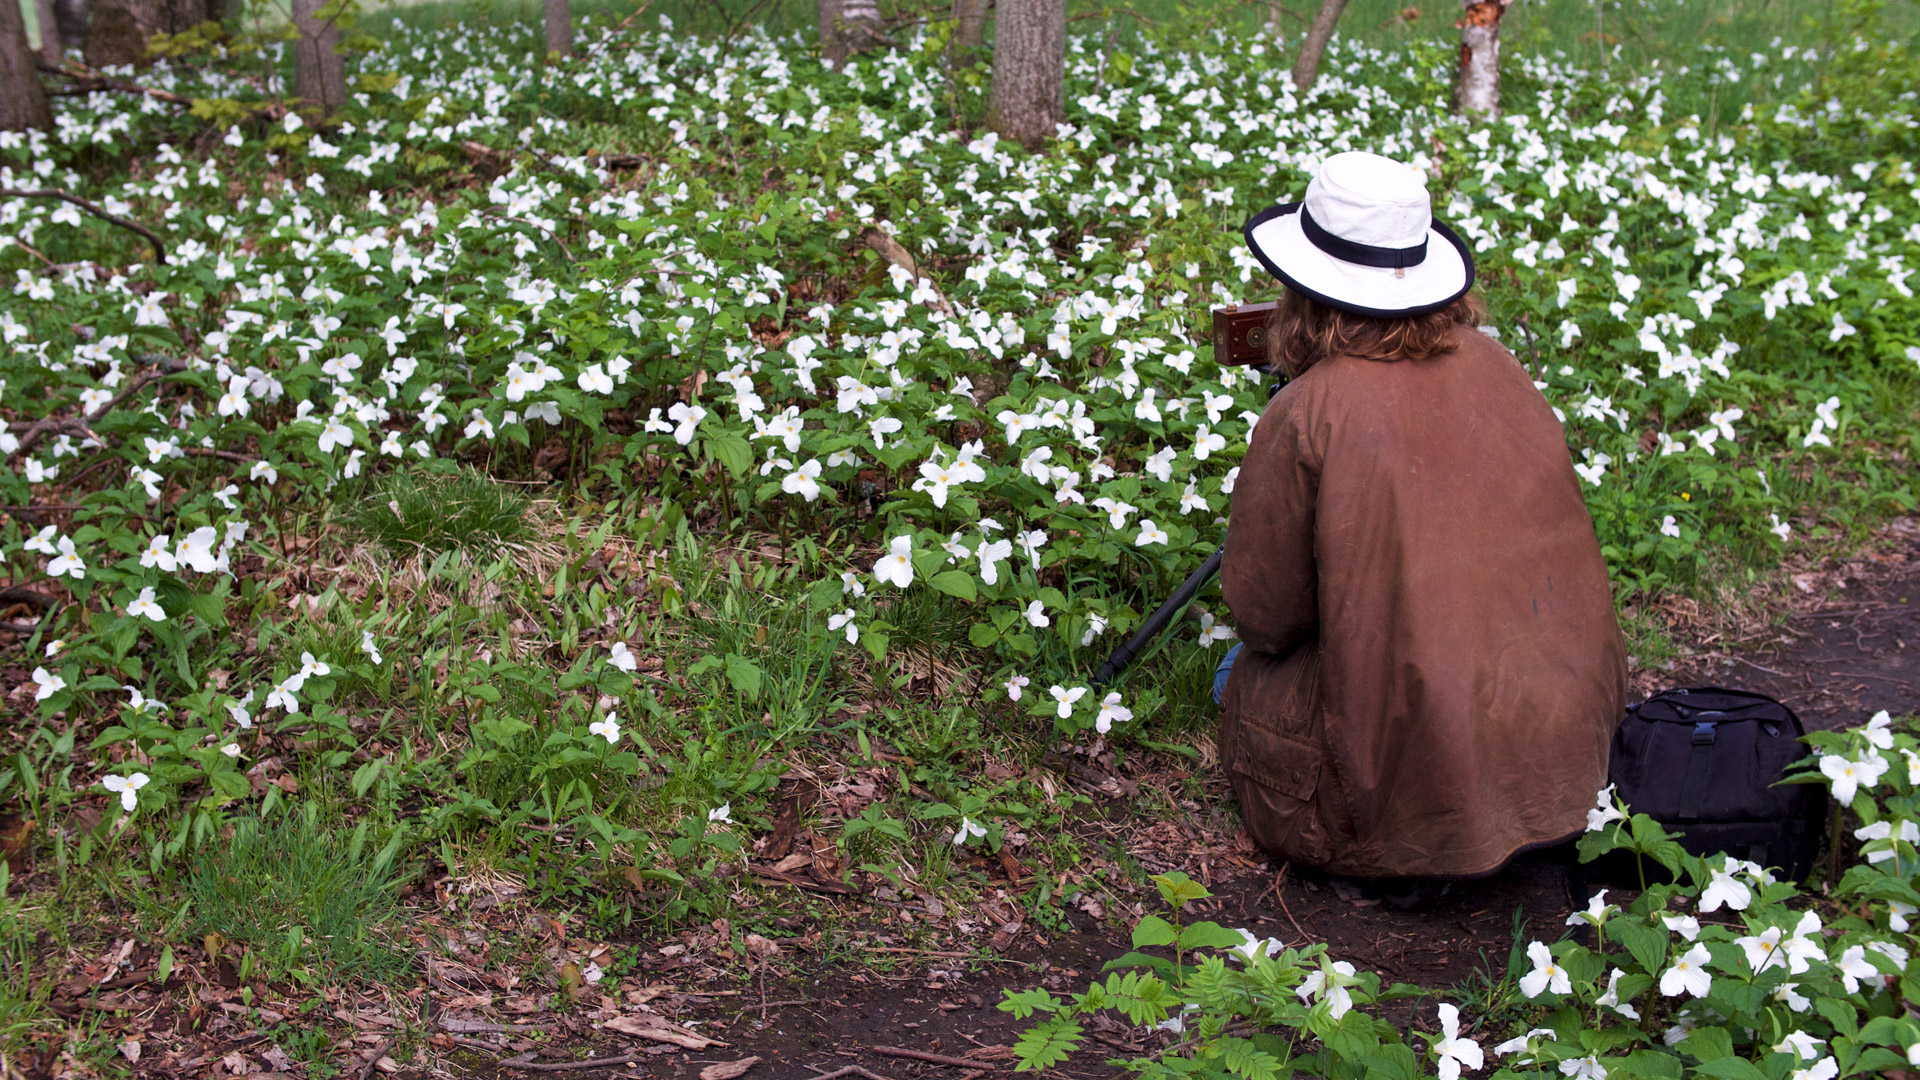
point(1220, 674)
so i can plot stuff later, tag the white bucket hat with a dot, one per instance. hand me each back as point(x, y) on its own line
point(1364, 240)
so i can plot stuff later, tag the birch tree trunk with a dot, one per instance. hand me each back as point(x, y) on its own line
point(1028, 99)
point(50, 46)
point(1306, 66)
point(850, 27)
point(1477, 89)
point(971, 33)
point(23, 101)
point(319, 71)
point(559, 28)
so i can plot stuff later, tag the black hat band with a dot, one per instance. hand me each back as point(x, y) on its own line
point(1363, 254)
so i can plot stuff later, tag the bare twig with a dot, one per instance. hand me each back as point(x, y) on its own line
point(373, 1061)
point(936, 1059)
point(101, 82)
point(159, 249)
point(77, 425)
point(551, 235)
point(525, 1061)
point(850, 1070)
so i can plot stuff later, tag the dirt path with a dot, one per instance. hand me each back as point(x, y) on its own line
point(1842, 658)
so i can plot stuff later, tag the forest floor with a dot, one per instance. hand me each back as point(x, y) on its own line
point(877, 979)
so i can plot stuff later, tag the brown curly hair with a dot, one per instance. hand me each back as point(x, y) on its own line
point(1302, 332)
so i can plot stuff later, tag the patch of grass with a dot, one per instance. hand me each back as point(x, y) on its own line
point(407, 512)
point(23, 1006)
point(298, 899)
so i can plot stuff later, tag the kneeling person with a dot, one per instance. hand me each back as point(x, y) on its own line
point(1431, 666)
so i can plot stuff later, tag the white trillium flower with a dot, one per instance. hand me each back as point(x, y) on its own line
point(896, 566)
point(127, 787)
point(845, 619)
point(1455, 1053)
point(144, 605)
point(607, 728)
point(1688, 974)
point(1065, 698)
point(46, 684)
point(1611, 999)
point(721, 815)
point(1111, 713)
point(1329, 985)
point(968, 832)
point(1547, 975)
point(622, 657)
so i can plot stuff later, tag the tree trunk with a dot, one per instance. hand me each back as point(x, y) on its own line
point(559, 29)
point(50, 46)
point(970, 36)
point(70, 20)
point(319, 71)
point(1306, 67)
point(850, 27)
point(117, 31)
point(1028, 100)
point(1477, 90)
point(23, 101)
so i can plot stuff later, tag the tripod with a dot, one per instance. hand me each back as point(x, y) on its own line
point(1163, 616)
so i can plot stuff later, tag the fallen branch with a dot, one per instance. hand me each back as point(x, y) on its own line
point(77, 425)
point(159, 249)
point(936, 1059)
point(525, 1061)
point(101, 82)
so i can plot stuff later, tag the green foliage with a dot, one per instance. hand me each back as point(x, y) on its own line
point(1723, 973)
point(409, 512)
point(296, 899)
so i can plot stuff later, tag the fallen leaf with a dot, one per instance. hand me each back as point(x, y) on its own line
point(131, 1051)
point(728, 1070)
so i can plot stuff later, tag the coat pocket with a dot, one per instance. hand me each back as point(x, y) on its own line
point(1275, 777)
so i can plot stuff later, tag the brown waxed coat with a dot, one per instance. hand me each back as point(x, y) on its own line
point(1432, 667)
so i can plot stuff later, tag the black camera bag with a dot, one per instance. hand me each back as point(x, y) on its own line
point(1706, 763)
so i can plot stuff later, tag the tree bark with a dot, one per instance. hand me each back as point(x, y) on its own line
point(1477, 90)
point(23, 101)
point(850, 27)
point(319, 71)
point(970, 36)
point(50, 46)
point(70, 19)
point(117, 31)
point(1306, 67)
point(559, 28)
point(1028, 100)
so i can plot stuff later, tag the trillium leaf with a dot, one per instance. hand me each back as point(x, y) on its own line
point(743, 674)
point(954, 583)
point(1210, 935)
point(1648, 944)
point(1708, 1044)
point(1153, 930)
point(982, 635)
point(1730, 1068)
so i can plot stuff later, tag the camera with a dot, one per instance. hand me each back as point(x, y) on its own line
point(1240, 334)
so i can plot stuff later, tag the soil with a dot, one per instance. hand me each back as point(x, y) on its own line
point(1849, 646)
